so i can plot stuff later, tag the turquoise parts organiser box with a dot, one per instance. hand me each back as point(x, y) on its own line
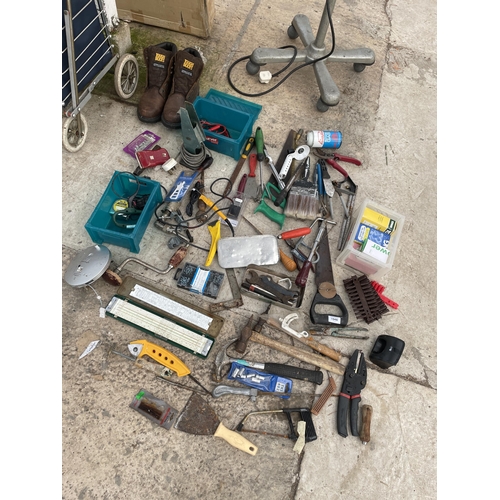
point(236, 115)
point(123, 185)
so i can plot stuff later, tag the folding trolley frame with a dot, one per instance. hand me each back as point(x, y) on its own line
point(87, 56)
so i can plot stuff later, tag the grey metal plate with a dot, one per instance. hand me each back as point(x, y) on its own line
point(241, 251)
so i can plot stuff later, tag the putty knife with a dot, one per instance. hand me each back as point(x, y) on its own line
point(199, 418)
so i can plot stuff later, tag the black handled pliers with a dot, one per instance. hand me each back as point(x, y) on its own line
point(354, 382)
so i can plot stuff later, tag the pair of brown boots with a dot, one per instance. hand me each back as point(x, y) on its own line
point(172, 79)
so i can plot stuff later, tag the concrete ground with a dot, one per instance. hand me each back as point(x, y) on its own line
point(387, 115)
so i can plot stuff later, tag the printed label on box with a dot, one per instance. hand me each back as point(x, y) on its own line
point(365, 232)
point(375, 251)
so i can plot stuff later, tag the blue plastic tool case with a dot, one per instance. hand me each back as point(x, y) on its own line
point(237, 115)
point(100, 225)
point(260, 380)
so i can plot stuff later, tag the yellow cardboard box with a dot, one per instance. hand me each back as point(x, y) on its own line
point(378, 221)
point(193, 17)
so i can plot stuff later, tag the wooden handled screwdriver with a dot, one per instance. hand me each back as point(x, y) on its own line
point(177, 257)
point(248, 147)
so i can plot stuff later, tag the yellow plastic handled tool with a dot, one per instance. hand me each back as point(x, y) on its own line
point(214, 230)
point(213, 206)
point(140, 348)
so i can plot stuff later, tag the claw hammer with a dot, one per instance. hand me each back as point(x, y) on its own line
point(314, 359)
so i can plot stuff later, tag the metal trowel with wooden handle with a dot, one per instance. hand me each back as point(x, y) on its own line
point(199, 418)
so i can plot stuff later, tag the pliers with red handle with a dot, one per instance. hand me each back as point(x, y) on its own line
point(349, 397)
point(332, 160)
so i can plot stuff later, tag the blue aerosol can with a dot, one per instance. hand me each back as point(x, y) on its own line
point(328, 139)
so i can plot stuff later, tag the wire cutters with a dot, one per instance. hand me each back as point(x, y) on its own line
point(354, 382)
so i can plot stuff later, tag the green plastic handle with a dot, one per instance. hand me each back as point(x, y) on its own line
point(259, 143)
point(270, 213)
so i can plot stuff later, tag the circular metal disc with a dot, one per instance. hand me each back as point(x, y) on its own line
point(88, 266)
point(327, 290)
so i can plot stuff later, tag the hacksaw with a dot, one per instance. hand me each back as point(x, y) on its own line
point(165, 316)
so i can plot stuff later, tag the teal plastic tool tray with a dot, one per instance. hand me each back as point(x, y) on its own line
point(237, 115)
point(102, 228)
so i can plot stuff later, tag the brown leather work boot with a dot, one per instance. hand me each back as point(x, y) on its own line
point(188, 67)
point(159, 61)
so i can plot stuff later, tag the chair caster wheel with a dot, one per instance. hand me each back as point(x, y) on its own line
point(291, 32)
point(252, 68)
point(358, 67)
point(321, 106)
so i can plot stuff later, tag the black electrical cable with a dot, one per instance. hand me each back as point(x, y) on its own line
point(287, 66)
point(194, 161)
point(122, 196)
point(214, 213)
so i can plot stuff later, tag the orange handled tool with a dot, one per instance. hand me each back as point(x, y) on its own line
point(288, 262)
point(294, 233)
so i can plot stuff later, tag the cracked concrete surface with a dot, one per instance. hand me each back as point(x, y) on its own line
point(387, 115)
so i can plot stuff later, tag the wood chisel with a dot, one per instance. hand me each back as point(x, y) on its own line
point(306, 356)
point(244, 155)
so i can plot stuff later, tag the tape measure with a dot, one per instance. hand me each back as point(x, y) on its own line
point(120, 204)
